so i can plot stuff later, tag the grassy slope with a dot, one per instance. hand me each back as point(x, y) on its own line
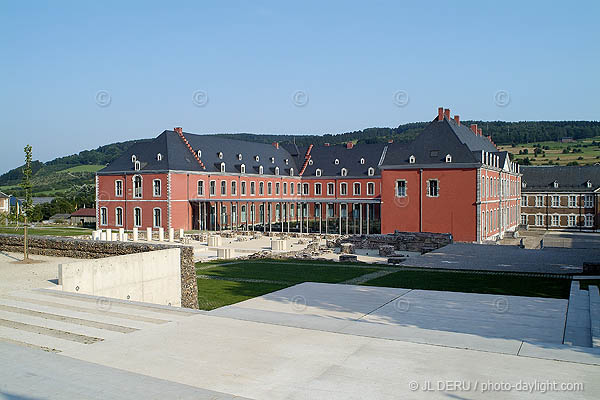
point(47, 231)
point(590, 154)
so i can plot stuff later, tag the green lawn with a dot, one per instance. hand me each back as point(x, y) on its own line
point(512, 285)
point(213, 294)
point(47, 231)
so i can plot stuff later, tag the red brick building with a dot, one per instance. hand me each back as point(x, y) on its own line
point(182, 180)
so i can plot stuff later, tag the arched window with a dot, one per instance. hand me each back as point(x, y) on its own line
point(243, 168)
point(119, 216)
point(137, 217)
point(362, 161)
point(276, 170)
point(261, 170)
point(344, 172)
point(137, 186)
point(343, 189)
point(133, 158)
point(291, 171)
point(411, 159)
point(159, 157)
point(157, 221)
point(200, 188)
point(239, 156)
point(318, 172)
point(448, 158)
point(137, 166)
point(371, 171)
point(222, 167)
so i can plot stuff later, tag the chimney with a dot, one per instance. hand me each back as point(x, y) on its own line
point(391, 141)
point(276, 145)
point(447, 113)
point(457, 120)
point(474, 128)
point(479, 132)
point(349, 145)
point(440, 113)
point(178, 129)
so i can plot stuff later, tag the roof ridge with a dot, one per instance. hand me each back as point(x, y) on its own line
point(189, 146)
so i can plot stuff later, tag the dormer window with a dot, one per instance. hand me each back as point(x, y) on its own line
point(243, 168)
point(159, 157)
point(287, 162)
point(310, 162)
point(292, 174)
point(261, 170)
point(222, 167)
point(336, 162)
point(272, 160)
point(318, 172)
point(239, 156)
point(220, 154)
point(555, 184)
point(137, 166)
point(411, 159)
point(588, 184)
point(276, 170)
point(256, 158)
point(523, 184)
point(362, 161)
point(199, 152)
point(344, 172)
point(133, 158)
point(448, 158)
point(371, 171)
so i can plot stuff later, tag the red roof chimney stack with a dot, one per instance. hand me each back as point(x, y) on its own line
point(178, 129)
point(447, 113)
point(276, 144)
point(349, 145)
point(474, 128)
point(440, 113)
point(391, 141)
point(457, 120)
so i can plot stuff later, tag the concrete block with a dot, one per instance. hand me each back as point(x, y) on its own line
point(121, 234)
point(148, 234)
point(115, 236)
point(348, 257)
point(224, 253)
point(161, 234)
point(171, 235)
point(278, 244)
point(347, 248)
point(103, 236)
point(125, 237)
point(96, 235)
point(135, 234)
point(109, 235)
point(181, 234)
point(215, 241)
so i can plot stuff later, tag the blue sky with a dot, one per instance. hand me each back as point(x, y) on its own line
point(77, 75)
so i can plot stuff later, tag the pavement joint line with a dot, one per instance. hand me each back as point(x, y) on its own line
point(385, 304)
point(520, 347)
point(95, 311)
point(42, 330)
point(66, 319)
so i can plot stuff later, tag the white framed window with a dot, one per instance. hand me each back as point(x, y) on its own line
point(137, 186)
point(310, 161)
point(223, 188)
point(200, 188)
point(589, 220)
point(523, 201)
point(118, 188)
point(103, 216)
point(371, 171)
point(291, 171)
point(256, 158)
point(156, 218)
point(213, 188)
point(277, 186)
point(119, 216)
point(572, 220)
point(411, 159)
point(243, 168)
point(222, 167)
point(199, 152)
point(401, 188)
point(588, 201)
point(356, 189)
point(330, 211)
point(330, 189)
point(243, 188)
point(239, 156)
point(156, 188)
point(284, 188)
point(137, 217)
point(269, 188)
point(220, 155)
point(137, 166)
point(433, 188)
point(555, 184)
point(234, 188)
point(261, 169)
point(318, 189)
point(261, 188)
point(276, 170)
point(555, 201)
point(292, 188)
point(370, 188)
point(343, 189)
point(448, 158)
point(159, 157)
point(588, 184)
point(539, 220)
point(318, 172)
point(539, 201)
point(272, 160)
point(523, 219)
point(305, 189)
point(362, 161)
point(572, 201)
point(252, 188)
point(299, 191)
point(344, 172)
point(336, 161)
point(555, 220)
point(133, 158)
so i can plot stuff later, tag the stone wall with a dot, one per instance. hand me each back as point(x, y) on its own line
point(77, 248)
point(422, 242)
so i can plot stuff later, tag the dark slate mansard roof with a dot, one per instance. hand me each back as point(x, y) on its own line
point(176, 156)
point(439, 139)
point(569, 179)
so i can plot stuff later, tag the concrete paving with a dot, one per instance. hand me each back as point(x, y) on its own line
point(42, 274)
point(463, 256)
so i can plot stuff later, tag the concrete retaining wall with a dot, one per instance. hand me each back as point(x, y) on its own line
point(152, 277)
point(405, 241)
point(88, 249)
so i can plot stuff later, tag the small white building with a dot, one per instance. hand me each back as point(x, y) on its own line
point(4, 203)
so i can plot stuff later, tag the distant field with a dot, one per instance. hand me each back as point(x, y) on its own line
point(554, 152)
point(83, 168)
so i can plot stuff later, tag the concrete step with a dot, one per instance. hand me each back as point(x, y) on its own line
point(594, 297)
point(577, 326)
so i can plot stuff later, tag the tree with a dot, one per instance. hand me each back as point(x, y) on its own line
point(27, 202)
